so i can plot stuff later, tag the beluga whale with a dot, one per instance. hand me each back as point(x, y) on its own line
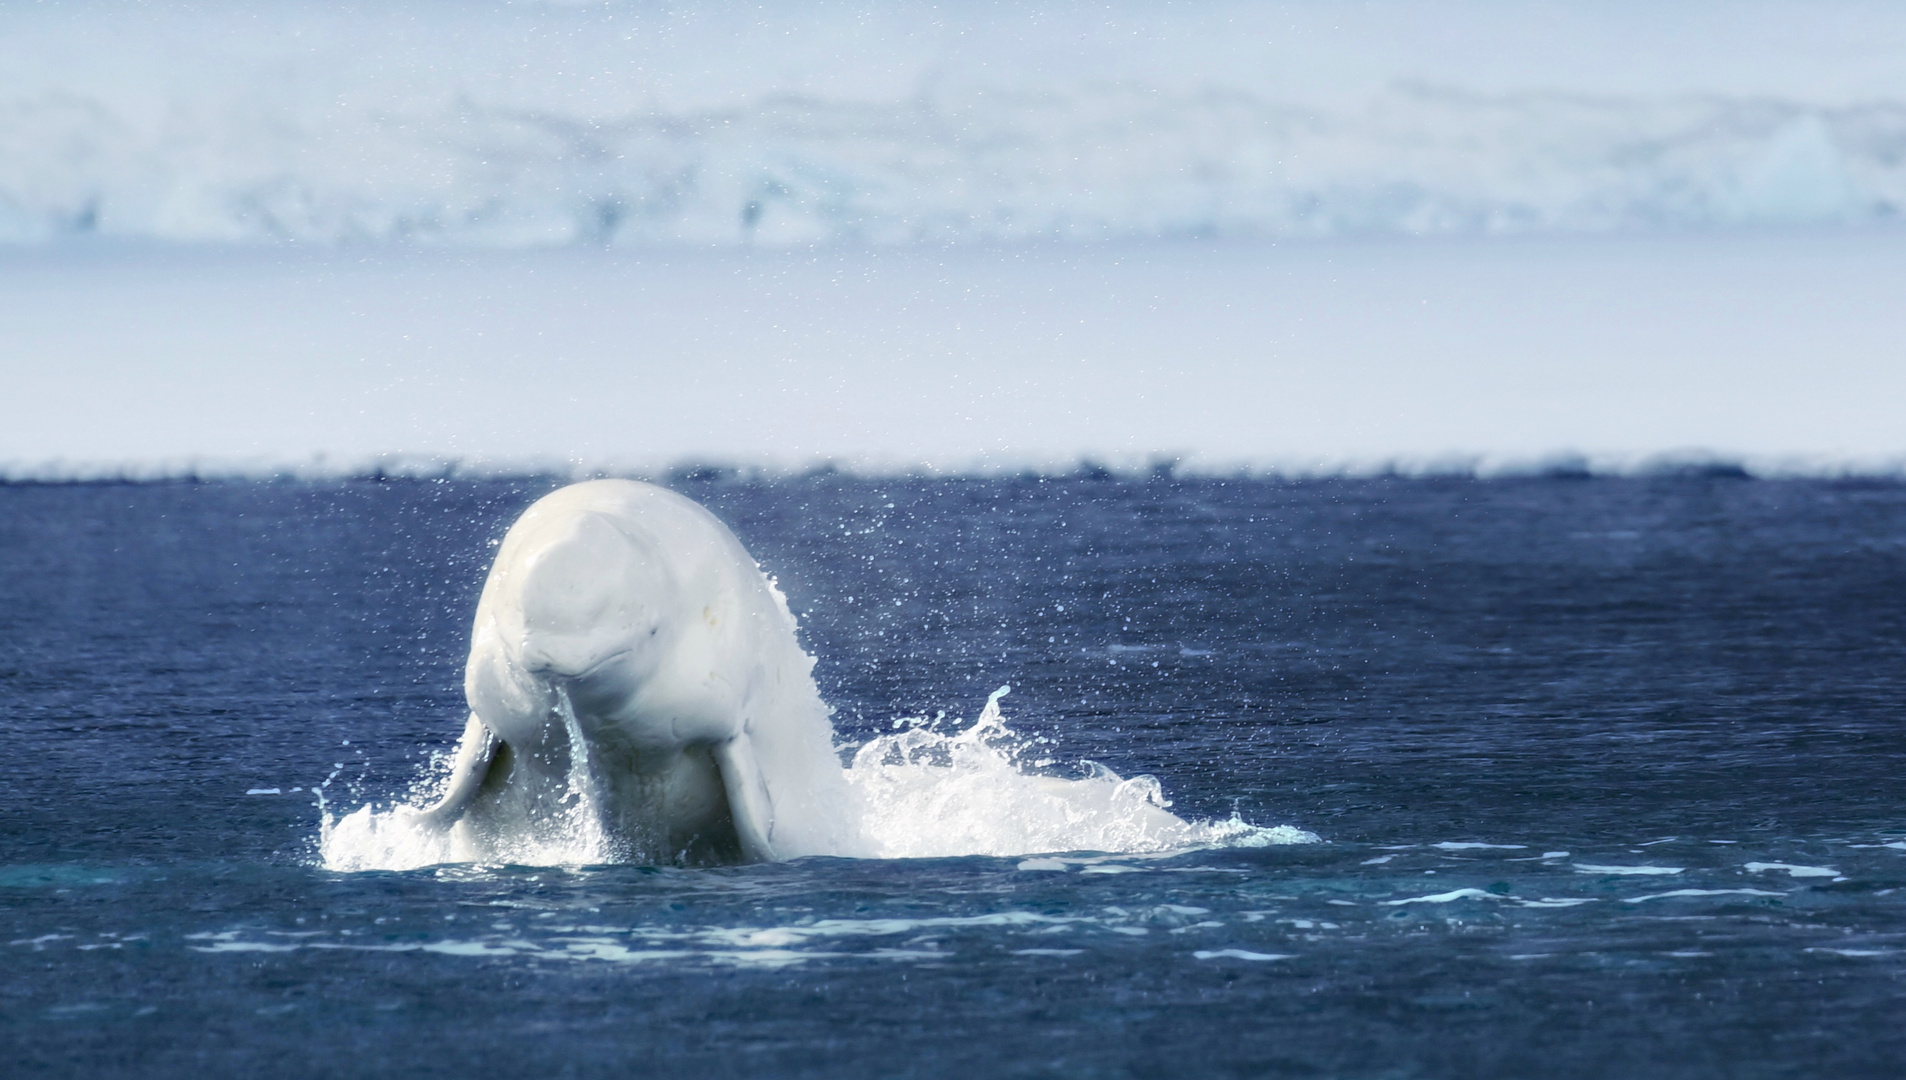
point(635, 685)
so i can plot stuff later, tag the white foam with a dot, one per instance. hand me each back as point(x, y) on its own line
point(743, 945)
point(751, 937)
point(1641, 871)
point(929, 793)
point(1042, 864)
point(1701, 892)
point(921, 793)
point(1557, 902)
point(1445, 898)
point(396, 837)
point(1793, 870)
point(1239, 954)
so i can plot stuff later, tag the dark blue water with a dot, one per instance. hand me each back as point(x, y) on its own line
point(1704, 676)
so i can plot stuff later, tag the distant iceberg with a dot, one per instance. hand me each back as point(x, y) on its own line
point(617, 124)
point(1077, 163)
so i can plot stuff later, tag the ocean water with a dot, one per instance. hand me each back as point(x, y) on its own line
point(1603, 776)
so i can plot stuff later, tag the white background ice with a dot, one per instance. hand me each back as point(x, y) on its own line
point(498, 124)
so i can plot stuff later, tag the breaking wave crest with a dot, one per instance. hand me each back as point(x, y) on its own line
point(978, 792)
point(919, 793)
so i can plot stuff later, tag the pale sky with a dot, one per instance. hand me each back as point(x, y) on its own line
point(1773, 347)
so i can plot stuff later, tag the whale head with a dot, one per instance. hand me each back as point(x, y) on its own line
point(575, 601)
point(586, 598)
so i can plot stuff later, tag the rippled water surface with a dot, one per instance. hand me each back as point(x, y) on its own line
point(1607, 775)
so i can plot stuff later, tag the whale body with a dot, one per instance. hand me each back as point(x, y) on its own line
point(633, 671)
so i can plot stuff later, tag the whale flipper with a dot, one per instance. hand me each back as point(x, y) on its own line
point(476, 754)
point(749, 805)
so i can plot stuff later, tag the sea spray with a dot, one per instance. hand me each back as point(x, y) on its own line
point(583, 804)
point(922, 793)
point(931, 794)
point(569, 830)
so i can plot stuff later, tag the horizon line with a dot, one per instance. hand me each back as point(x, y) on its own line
point(691, 468)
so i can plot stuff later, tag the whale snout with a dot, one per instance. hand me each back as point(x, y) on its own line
point(568, 659)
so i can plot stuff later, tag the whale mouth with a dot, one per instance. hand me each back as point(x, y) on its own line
point(560, 670)
point(589, 693)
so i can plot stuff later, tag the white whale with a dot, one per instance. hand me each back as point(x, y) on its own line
point(632, 667)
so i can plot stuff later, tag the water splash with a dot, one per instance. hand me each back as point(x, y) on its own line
point(583, 805)
point(392, 839)
point(973, 792)
point(920, 792)
point(569, 830)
